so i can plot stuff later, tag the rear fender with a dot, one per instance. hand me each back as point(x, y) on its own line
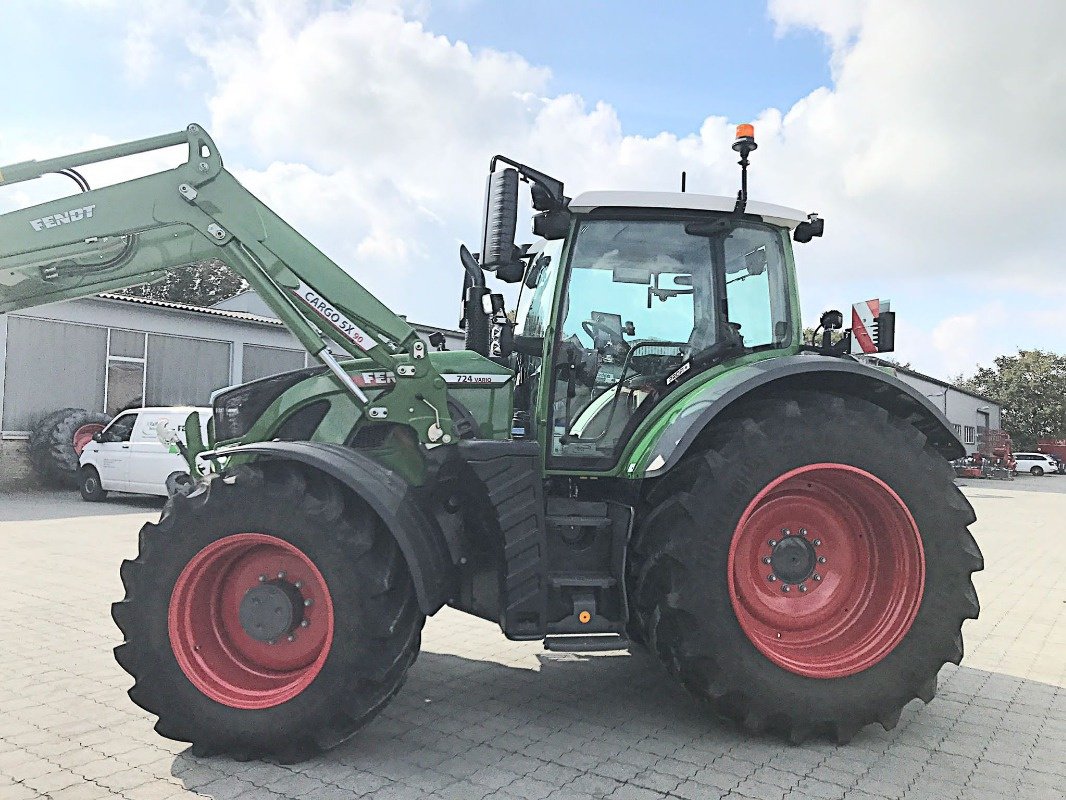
point(404, 513)
point(807, 372)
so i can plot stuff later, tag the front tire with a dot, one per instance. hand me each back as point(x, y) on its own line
point(1037, 472)
point(286, 674)
point(92, 490)
point(794, 488)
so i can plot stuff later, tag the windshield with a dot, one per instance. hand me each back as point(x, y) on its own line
point(646, 297)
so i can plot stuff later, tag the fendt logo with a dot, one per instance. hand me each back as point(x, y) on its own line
point(62, 218)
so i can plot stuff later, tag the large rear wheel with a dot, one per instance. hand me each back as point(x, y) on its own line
point(808, 570)
point(267, 614)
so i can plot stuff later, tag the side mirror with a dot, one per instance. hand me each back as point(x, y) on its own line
point(805, 231)
point(501, 219)
point(98, 437)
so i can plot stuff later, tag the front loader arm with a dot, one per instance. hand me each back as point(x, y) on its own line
point(134, 232)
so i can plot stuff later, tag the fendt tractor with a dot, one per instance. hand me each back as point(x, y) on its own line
point(645, 454)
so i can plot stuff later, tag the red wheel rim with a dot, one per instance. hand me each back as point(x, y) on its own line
point(856, 603)
point(84, 435)
point(211, 645)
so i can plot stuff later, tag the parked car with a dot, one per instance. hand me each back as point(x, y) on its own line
point(1059, 462)
point(1036, 463)
point(129, 456)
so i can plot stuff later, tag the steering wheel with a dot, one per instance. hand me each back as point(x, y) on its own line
point(592, 327)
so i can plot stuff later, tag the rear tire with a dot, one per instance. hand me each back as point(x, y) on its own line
point(39, 446)
point(57, 442)
point(287, 698)
point(92, 490)
point(705, 626)
point(1037, 472)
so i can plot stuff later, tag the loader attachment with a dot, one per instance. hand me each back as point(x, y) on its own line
point(134, 232)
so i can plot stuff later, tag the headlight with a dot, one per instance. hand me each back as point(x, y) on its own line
point(237, 410)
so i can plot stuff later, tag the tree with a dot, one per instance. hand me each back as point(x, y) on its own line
point(201, 284)
point(1031, 389)
point(809, 336)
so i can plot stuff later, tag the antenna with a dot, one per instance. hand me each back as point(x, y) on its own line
point(682, 180)
point(744, 144)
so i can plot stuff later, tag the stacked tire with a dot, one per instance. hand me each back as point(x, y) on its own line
point(56, 442)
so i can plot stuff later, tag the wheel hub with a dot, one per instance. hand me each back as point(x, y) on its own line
point(250, 620)
point(826, 570)
point(269, 611)
point(793, 559)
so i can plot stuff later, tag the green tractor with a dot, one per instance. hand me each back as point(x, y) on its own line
point(646, 453)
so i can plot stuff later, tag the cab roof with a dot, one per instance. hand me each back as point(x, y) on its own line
point(774, 214)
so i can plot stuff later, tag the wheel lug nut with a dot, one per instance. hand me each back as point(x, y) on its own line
point(771, 578)
point(773, 543)
point(786, 588)
point(298, 584)
point(281, 575)
point(803, 531)
point(816, 576)
point(291, 637)
point(766, 560)
point(821, 559)
point(308, 601)
point(262, 578)
point(817, 542)
point(803, 587)
point(304, 623)
point(271, 641)
point(785, 532)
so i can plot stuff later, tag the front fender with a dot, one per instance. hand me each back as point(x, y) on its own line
point(397, 503)
point(806, 371)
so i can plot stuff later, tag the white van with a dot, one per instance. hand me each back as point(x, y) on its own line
point(128, 456)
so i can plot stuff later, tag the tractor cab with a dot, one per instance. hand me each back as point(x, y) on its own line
point(625, 298)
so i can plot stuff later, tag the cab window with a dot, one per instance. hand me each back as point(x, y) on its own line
point(121, 428)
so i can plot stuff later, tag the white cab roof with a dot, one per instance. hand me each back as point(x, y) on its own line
point(775, 215)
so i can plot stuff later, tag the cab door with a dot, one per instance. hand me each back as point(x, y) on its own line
point(112, 453)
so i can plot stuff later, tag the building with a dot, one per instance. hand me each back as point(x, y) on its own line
point(971, 414)
point(112, 352)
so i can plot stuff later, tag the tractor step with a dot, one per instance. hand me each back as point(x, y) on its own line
point(586, 644)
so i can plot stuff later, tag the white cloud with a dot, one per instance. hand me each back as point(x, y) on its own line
point(935, 156)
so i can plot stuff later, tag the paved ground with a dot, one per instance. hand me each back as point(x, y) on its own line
point(482, 717)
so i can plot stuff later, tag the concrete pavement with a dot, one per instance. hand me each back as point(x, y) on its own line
point(481, 717)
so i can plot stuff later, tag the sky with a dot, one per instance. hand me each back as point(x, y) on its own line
point(929, 135)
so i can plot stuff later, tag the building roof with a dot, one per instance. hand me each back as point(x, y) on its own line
point(242, 316)
point(922, 376)
point(774, 214)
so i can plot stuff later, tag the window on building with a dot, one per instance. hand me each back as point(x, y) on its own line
point(125, 375)
point(185, 371)
point(261, 361)
point(51, 365)
point(969, 434)
point(958, 430)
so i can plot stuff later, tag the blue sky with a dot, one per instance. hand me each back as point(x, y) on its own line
point(663, 66)
point(368, 126)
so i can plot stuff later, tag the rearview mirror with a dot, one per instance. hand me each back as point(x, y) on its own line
point(501, 219)
point(805, 231)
